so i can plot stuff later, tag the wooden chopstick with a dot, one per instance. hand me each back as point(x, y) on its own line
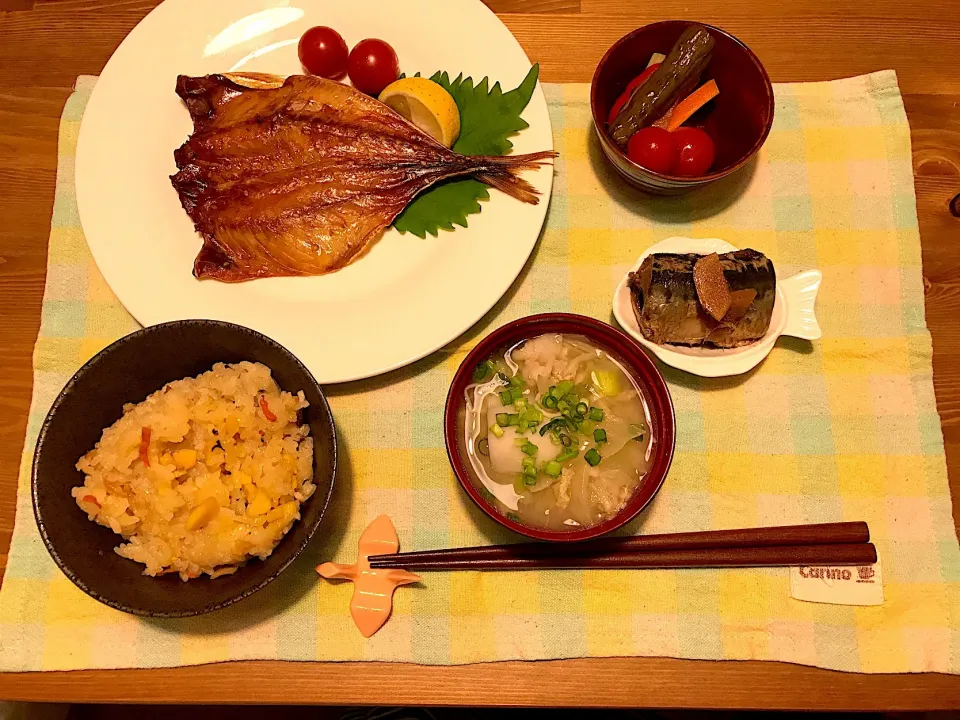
point(818, 534)
point(762, 556)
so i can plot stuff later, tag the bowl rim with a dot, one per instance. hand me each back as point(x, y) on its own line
point(696, 179)
point(613, 340)
point(87, 368)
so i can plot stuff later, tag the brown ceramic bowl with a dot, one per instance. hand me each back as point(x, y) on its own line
point(738, 120)
point(126, 372)
point(637, 364)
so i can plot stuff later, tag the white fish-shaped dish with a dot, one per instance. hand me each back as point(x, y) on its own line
point(793, 315)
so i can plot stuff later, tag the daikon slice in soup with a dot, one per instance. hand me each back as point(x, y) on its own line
point(557, 432)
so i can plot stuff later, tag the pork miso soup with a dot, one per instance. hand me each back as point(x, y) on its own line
point(556, 432)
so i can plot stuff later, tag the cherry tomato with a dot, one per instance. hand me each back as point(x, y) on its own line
point(631, 86)
point(696, 151)
point(323, 52)
point(372, 66)
point(654, 148)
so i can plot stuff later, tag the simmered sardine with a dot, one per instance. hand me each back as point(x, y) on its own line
point(668, 310)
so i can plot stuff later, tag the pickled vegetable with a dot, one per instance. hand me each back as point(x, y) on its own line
point(676, 77)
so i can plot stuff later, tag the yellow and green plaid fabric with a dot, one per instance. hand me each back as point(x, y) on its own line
point(842, 429)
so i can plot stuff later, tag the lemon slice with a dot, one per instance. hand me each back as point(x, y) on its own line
point(427, 105)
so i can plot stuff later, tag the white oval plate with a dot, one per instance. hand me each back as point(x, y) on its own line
point(793, 314)
point(406, 297)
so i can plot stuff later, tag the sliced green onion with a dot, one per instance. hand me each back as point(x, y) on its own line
point(533, 413)
point(530, 480)
point(552, 468)
point(549, 402)
point(596, 414)
point(564, 387)
point(600, 435)
point(482, 371)
point(552, 390)
point(496, 429)
point(638, 438)
point(567, 454)
point(532, 424)
point(564, 407)
point(528, 462)
point(520, 405)
point(520, 442)
point(582, 408)
point(529, 449)
point(513, 419)
point(519, 485)
point(554, 425)
point(592, 457)
point(483, 447)
point(516, 393)
point(517, 382)
point(503, 420)
point(566, 440)
point(506, 398)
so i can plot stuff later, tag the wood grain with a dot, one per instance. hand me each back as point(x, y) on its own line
point(45, 44)
point(611, 682)
point(533, 6)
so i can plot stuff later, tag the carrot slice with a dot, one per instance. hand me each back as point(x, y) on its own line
point(266, 410)
point(683, 110)
point(145, 445)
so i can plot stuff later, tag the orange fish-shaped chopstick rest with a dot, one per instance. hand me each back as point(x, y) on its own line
point(372, 589)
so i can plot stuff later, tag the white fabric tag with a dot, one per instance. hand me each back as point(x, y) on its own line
point(848, 585)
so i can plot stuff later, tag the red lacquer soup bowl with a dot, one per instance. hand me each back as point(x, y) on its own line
point(738, 120)
point(634, 362)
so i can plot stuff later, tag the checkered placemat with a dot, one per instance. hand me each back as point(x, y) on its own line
point(845, 428)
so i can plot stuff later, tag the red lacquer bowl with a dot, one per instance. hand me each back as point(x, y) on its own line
point(738, 120)
point(637, 364)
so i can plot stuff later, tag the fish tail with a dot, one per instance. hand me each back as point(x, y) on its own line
point(530, 161)
point(501, 173)
point(506, 182)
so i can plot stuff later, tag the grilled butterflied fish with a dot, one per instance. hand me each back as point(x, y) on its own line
point(300, 175)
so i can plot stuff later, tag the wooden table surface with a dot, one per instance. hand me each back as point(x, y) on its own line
point(45, 44)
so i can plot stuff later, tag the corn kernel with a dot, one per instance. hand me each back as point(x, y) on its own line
point(185, 458)
point(285, 512)
point(232, 426)
point(260, 504)
point(242, 478)
point(166, 459)
point(214, 459)
point(202, 514)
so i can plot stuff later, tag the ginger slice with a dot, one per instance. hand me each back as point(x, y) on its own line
point(713, 291)
point(740, 301)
